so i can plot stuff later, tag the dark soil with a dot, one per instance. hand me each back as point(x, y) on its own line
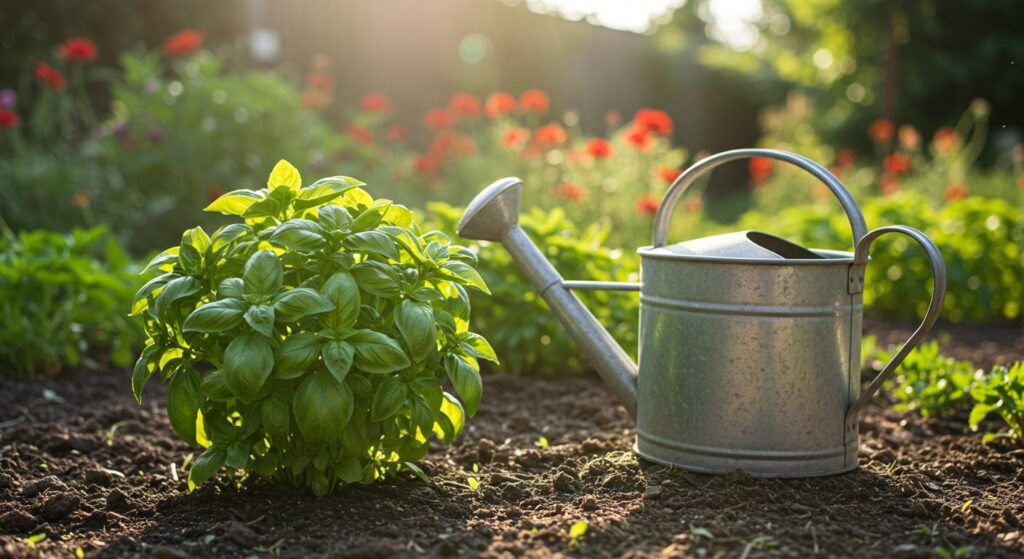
point(81, 464)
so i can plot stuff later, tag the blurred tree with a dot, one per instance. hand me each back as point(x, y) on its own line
point(912, 61)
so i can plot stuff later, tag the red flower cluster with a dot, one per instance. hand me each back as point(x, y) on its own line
point(947, 140)
point(668, 174)
point(50, 76)
point(648, 205)
point(360, 134)
point(319, 82)
point(376, 103)
point(761, 169)
point(464, 104)
point(550, 135)
point(882, 130)
point(896, 164)
point(8, 119)
point(515, 138)
point(639, 138)
point(653, 121)
point(184, 42)
point(846, 158)
point(598, 148)
point(534, 101)
point(395, 133)
point(569, 191)
point(956, 191)
point(78, 49)
point(499, 104)
point(444, 143)
point(438, 119)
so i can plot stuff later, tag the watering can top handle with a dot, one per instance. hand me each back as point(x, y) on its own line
point(683, 182)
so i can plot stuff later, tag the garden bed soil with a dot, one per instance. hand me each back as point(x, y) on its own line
point(82, 464)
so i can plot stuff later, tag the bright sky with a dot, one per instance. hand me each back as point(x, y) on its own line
point(730, 19)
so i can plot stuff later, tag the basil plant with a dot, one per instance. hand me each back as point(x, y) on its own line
point(310, 342)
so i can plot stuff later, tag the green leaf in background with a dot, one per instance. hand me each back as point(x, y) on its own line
point(466, 380)
point(183, 404)
point(299, 303)
point(296, 355)
point(338, 356)
point(388, 399)
point(214, 387)
point(377, 278)
point(415, 321)
point(263, 275)
point(466, 274)
point(377, 353)
point(301, 235)
point(343, 292)
point(322, 408)
point(248, 361)
point(234, 202)
point(372, 242)
point(203, 467)
point(216, 316)
point(261, 318)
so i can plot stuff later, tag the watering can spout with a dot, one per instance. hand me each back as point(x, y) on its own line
point(494, 216)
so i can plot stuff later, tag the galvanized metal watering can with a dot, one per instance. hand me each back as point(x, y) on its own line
point(749, 344)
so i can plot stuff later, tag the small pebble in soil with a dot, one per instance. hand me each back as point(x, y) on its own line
point(240, 534)
point(59, 506)
point(16, 521)
point(117, 500)
point(41, 485)
point(6, 481)
point(563, 483)
point(163, 552)
point(97, 477)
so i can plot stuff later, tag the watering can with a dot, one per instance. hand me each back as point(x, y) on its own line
point(749, 353)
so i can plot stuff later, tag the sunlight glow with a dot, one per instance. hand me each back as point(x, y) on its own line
point(627, 15)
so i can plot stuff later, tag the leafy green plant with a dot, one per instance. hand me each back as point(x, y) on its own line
point(62, 299)
point(519, 323)
point(309, 342)
point(931, 383)
point(1001, 394)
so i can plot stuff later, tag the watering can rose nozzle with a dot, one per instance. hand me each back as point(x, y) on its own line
point(494, 216)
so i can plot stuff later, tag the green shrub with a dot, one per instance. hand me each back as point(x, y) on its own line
point(519, 323)
point(930, 383)
point(1002, 394)
point(310, 341)
point(62, 301)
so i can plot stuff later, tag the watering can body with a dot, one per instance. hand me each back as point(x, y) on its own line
point(749, 354)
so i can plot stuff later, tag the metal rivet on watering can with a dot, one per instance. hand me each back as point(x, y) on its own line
point(749, 344)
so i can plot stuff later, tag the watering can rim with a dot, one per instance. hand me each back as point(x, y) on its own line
point(824, 256)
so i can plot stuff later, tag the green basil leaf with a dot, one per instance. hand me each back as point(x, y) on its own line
point(176, 290)
point(261, 318)
point(273, 205)
point(144, 369)
point(429, 388)
point(214, 387)
point(388, 399)
point(323, 191)
point(398, 215)
point(216, 316)
point(296, 355)
point(338, 357)
point(377, 353)
point(203, 467)
point(368, 219)
point(377, 278)
point(183, 404)
point(164, 261)
point(466, 381)
point(343, 292)
point(299, 303)
point(231, 288)
point(349, 469)
point(191, 260)
point(334, 218)
point(149, 287)
point(196, 238)
point(263, 274)
point(465, 274)
point(426, 295)
point(276, 415)
point(422, 415)
point(237, 455)
point(248, 361)
point(228, 234)
point(372, 242)
point(301, 235)
point(322, 407)
point(415, 322)
point(234, 202)
point(480, 347)
point(450, 421)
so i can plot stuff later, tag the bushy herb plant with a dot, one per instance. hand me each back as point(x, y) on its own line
point(1001, 394)
point(310, 341)
point(519, 323)
point(62, 300)
point(931, 383)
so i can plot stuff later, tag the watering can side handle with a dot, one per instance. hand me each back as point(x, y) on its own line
point(860, 259)
point(682, 183)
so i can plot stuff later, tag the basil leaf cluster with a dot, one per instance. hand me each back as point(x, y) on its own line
point(312, 342)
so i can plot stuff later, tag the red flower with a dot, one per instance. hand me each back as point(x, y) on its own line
point(534, 101)
point(359, 134)
point(890, 184)
point(668, 174)
point(909, 137)
point(882, 130)
point(947, 140)
point(515, 138)
point(599, 148)
point(550, 135)
point(650, 120)
point(846, 158)
point(499, 104)
point(438, 118)
point(648, 205)
point(761, 169)
point(569, 191)
point(319, 82)
point(214, 192)
point(639, 138)
point(184, 42)
point(78, 49)
point(50, 76)
point(426, 164)
point(395, 133)
point(448, 141)
point(896, 164)
point(956, 191)
point(8, 119)
point(464, 104)
point(376, 103)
